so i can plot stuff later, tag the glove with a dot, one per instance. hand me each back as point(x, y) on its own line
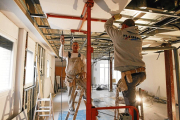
point(117, 16)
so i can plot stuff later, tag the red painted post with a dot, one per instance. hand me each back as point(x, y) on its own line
point(171, 106)
point(88, 104)
point(73, 17)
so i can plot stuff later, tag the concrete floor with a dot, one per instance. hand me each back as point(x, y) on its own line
point(103, 98)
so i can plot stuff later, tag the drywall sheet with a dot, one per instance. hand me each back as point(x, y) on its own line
point(102, 9)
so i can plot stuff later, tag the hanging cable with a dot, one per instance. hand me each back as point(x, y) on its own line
point(158, 56)
point(61, 75)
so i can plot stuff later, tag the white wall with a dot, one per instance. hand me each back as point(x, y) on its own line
point(18, 35)
point(9, 31)
point(155, 75)
point(155, 82)
point(53, 71)
point(19, 71)
point(48, 84)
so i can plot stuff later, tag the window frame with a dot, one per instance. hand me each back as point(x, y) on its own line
point(31, 83)
point(13, 63)
point(105, 66)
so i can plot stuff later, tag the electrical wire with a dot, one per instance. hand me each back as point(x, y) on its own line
point(61, 80)
point(158, 56)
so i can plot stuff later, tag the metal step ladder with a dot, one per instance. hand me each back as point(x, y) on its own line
point(139, 104)
point(79, 91)
point(44, 111)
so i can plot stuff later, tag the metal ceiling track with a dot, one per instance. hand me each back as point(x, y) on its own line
point(52, 38)
point(31, 17)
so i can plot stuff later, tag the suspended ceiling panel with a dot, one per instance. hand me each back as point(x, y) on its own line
point(100, 10)
point(174, 33)
point(152, 16)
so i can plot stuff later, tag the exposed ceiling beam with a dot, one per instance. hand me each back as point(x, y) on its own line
point(37, 15)
point(153, 10)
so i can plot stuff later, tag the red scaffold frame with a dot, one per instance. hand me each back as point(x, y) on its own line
point(91, 111)
point(131, 111)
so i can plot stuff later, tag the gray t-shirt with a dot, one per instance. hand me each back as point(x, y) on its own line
point(127, 47)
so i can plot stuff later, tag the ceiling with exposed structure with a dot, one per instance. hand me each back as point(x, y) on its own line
point(158, 22)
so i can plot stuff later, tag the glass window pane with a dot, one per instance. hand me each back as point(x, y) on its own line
point(114, 74)
point(101, 75)
point(29, 67)
point(101, 65)
point(106, 76)
point(6, 47)
point(106, 65)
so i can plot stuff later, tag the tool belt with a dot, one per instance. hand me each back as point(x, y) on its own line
point(71, 80)
point(121, 85)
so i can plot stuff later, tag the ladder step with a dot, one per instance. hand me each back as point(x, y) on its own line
point(45, 107)
point(45, 115)
point(44, 99)
point(43, 110)
point(78, 91)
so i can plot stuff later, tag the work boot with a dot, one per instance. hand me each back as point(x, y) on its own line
point(72, 111)
point(84, 97)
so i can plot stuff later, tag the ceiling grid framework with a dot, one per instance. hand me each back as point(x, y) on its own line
point(153, 23)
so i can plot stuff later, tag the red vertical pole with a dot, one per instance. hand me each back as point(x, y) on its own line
point(171, 107)
point(88, 104)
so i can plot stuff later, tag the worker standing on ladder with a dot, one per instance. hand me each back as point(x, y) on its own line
point(75, 71)
point(127, 57)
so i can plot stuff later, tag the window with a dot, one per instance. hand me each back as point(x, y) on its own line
point(6, 49)
point(116, 74)
point(104, 74)
point(29, 68)
point(47, 68)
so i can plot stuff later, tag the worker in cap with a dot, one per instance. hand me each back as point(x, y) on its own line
point(127, 57)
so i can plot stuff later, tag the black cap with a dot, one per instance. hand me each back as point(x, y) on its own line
point(129, 22)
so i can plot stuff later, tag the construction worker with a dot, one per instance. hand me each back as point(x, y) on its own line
point(127, 57)
point(75, 71)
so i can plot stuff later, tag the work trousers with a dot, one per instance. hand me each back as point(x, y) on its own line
point(71, 92)
point(130, 94)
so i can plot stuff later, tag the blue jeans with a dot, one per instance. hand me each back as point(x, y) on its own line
point(130, 94)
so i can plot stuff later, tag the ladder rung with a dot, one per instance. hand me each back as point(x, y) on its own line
point(44, 99)
point(45, 107)
point(45, 115)
point(78, 90)
point(43, 110)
